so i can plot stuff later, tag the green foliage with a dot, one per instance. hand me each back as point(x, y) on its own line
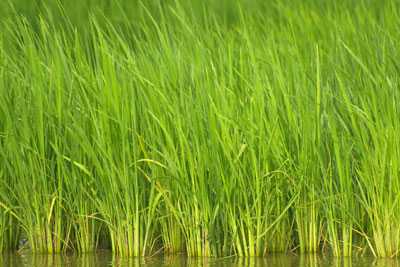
point(207, 127)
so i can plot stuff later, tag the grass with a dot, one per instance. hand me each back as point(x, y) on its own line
point(212, 128)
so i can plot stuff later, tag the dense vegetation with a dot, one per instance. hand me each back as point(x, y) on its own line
point(205, 127)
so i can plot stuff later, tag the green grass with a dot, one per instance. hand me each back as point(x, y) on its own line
point(211, 128)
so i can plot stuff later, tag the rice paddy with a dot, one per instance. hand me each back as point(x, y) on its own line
point(208, 128)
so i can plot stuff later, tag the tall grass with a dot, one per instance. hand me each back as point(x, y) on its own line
point(212, 128)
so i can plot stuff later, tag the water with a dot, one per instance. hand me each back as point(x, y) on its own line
point(106, 259)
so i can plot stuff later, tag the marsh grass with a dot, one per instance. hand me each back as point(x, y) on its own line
point(213, 128)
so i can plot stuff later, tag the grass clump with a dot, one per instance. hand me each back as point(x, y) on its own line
point(212, 128)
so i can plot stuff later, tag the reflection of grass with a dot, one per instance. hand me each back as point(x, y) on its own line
point(212, 128)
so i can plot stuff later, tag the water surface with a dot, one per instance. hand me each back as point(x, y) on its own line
point(106, 259)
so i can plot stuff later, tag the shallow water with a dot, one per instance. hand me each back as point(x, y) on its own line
point(106, 259)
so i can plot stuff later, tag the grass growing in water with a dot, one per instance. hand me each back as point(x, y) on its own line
point(210, 128)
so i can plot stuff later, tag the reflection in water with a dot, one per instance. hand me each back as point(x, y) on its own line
point(89, 260)
point(106, 259)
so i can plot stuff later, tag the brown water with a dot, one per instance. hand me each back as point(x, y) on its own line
point(106, 259)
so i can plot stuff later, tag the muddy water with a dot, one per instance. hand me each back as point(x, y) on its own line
point(106, 259)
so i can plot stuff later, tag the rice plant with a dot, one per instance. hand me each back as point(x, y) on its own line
point(210, 128)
